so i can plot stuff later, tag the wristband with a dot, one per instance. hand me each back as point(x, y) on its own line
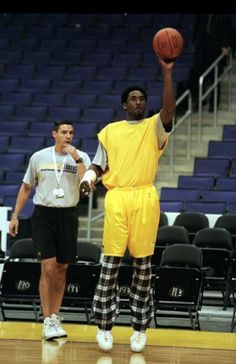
point(89, 176)
point(79, 160)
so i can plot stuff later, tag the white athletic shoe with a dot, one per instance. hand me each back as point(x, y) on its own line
point(50, 331)
point(137, 359)
point(57, 320)
point(104, 340)
point(138, 341)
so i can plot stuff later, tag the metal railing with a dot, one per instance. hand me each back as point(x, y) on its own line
point(217, 79)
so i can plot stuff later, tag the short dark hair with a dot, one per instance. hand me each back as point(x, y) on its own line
point(57, 124)
point(125, 93)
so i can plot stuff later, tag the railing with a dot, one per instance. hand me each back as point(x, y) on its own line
point(217, 79)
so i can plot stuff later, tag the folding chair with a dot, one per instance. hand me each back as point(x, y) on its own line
point(216, 246)
point(192, 221)
point(88, 252)
point(80, 287)
point(228, 222)
point(20, 280)
point(179, 285)
point(168, 235)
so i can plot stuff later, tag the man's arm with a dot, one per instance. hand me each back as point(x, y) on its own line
point(168, 102)
point(21, 200)
point(87, 183)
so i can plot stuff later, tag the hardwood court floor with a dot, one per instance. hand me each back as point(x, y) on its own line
point(20, 342)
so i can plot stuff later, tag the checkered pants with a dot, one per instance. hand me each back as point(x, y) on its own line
point(106, 298)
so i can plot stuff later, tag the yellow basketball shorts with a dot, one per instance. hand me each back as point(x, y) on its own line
point(131, 219)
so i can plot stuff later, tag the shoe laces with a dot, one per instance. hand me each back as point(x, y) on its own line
point(106, 335)
point(139, 336)
point(49, 323)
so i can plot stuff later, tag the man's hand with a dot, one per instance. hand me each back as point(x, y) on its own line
point(13, 227)
point(85, 188)
point(68, 148)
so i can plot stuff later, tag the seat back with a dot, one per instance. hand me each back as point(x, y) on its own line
point(88, 252)
point(192, 221)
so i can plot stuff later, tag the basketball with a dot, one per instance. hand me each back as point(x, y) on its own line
point(168, 44)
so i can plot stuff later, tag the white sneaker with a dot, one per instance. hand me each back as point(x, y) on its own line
point(138, 341)
point(104, 340)
point(57, 320)
point(49, 329)
point(137, 359)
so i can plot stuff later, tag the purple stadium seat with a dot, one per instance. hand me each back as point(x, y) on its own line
point(25, 43)
point(40, 129)
point(9, 84)
point(89, 145)
point(20, 70)
point(101, 58)
point(65, 85)
point(26, 211)
point(14, 177)
point(36, 56)
point(232, 208)
point(198, 182)
point(4, 142)
point(117, 46)
point(11, 56)
point(179, 194)
point(111, 100)
point(17, 98)
point(81, 100)
point(206, 207)
point(85, 130)
point(64, 112)
point(127, 59)
point(31, 112)
point(218, 196)
point(34, 85)
point(226, 183)
point(9, 190)
point(24, 144)
point(233, 168)
point(211, 166)
point(53, 44)
point(142, 73)
point(9, 161)
point(98, 114)
point(82, 45)
point(7, 111)
point(11, 128)
point(111, 73)
point(43, 98)
point(81, 73)
point(172, 206)
point(66, 57)
point(100, 86)
point(222, 149)
point(51, 71)
point(229, 133)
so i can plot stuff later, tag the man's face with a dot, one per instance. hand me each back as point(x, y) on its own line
point(64, 135)
point(135, 105)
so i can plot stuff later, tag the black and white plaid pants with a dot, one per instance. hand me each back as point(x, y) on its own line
point(106, 298)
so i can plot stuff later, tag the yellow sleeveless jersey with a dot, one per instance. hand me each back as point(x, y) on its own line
point(132, 152)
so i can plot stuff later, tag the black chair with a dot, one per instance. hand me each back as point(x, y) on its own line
point(20, 280)
point(192, 221)
point(88, 252)
point(163, 219)
point(216, 246)
point(228, 222)
point(80, 287)
point(179, 283)
point(168, 235)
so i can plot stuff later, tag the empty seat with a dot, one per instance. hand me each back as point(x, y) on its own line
point(228, 222)
point(11, 56)
point(27, 210)
point(17, 98)
point(9, 190)
point(14, 177)
point(20, 70)
point(226, 183)
point(35, 85)
point(192, 221)
point(25, 43)
point(4, 142)
point(222, 149)
point(229, 133)
point(211, 166)
point(48, 98)
point(66, 57)
point(23, 144)
point(217, 196)
point(206, 207)
point(89, 146)
point(40, 129)
point(57, 19)
point(64, 112)
point(7, 111)
point(127, 59)
point(50, 71)
point(32, 112)
point(114, 45)
point(36, 56)
point(99, 114)
point(142, 73)
point(65, 85)
point(101, 86)
point(101, 58)
point(10, 84)
point(39, 31)
point(199, 182)
point(81, 100)
point(179, 194)
point(233, 168)
point(10, 128)
point(67, 33)
point(86, 130)
point(53, 44)
point(81, 73)
point(13, 31)
point(111, 100)
point(83, 45)
point(172, 206)
point(82, 19)
point(111, 73)
point(8, 160)
point(232, 208)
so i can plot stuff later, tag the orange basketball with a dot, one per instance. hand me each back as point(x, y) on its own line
point(168, 44)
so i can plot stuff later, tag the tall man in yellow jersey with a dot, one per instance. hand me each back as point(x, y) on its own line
point(127, 159)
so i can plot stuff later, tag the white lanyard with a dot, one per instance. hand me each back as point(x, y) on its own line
point(58, 174)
